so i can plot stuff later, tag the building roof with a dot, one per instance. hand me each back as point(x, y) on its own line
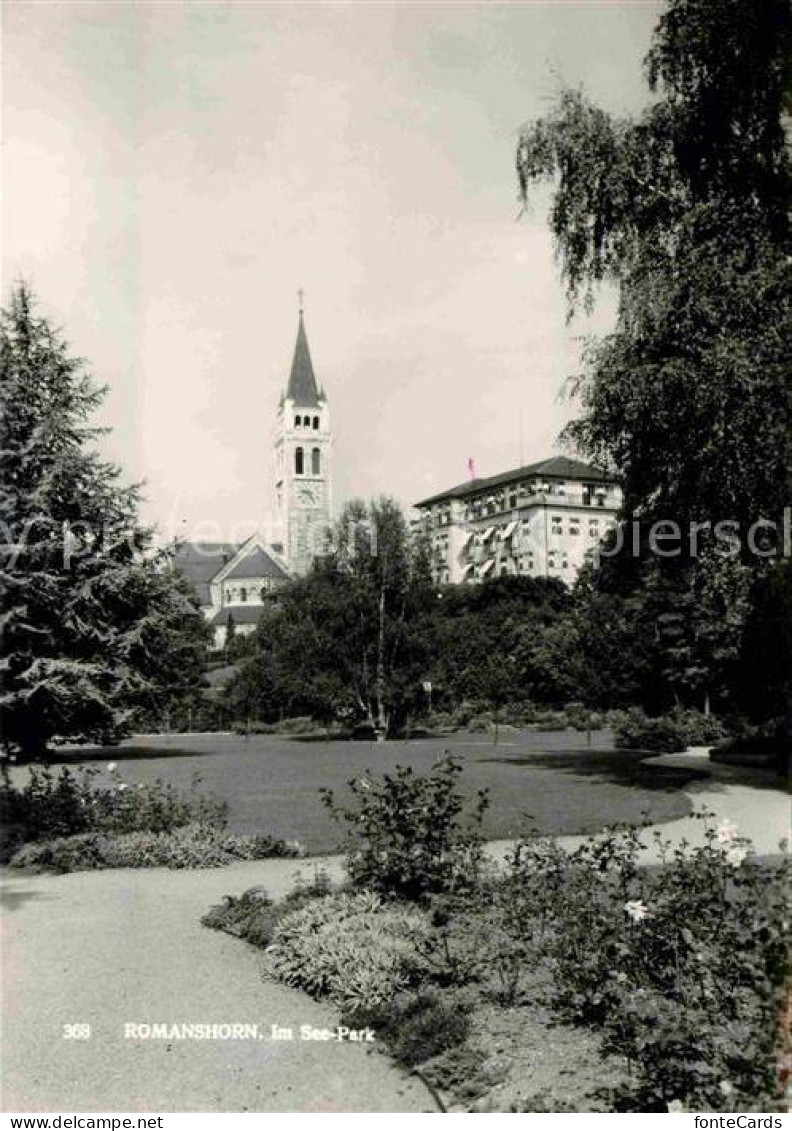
point(258, 563)
point(199, 562)
point(302, 388)
point(556, 467)
point(241, 614)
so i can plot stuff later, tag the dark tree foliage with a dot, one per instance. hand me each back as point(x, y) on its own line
point(349, 641)
point(685, 209)
point(94, 625)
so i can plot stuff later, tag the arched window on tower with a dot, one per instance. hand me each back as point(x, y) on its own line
point(307, 421)
point(299, 462)
point(316, 462)
point(297, 421)
point(243, 594)
point(316, 423)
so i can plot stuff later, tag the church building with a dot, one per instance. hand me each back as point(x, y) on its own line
point(233, 581)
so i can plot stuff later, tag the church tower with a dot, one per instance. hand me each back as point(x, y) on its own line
point(303, 442)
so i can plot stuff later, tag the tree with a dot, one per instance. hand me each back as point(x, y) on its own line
point(350, 640)
point(685, 208)
point(95, 625)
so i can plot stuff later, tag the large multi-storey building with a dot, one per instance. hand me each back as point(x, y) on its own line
point(233, 581)
point(542, 520)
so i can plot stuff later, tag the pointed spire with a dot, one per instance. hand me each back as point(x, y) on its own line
point(302, 388)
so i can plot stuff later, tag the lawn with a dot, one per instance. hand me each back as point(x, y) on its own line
point(271, 784)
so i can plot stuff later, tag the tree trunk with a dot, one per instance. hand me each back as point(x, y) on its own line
point(381, 726)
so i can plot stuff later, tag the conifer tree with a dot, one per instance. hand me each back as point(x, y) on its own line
point(94, 625)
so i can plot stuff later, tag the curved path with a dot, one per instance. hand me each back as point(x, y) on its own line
point(124, 946)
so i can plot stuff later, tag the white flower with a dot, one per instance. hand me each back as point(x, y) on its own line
point(726, 1087)
point(726, 831)
point(637, 910)
point(735, 855)
point(111, 767)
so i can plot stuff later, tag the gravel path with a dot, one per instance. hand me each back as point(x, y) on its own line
point(118, 947)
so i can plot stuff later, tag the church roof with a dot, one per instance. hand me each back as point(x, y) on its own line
point(258, 563)
point(302, 388)
point(199, 562)
point(556, 467)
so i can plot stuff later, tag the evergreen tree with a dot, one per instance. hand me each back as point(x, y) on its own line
point(94, 624)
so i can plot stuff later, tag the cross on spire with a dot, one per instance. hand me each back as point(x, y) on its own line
point(301, 300)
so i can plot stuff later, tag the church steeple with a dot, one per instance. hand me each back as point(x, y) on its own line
point(302, 388)
point(303, 444)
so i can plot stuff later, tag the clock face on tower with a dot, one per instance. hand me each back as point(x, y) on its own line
point(309, 494)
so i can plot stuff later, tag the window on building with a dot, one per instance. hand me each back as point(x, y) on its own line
point(307, 421)
point(316, 461)
point(297, 422)
point(316, 423)
point(299, 461)
point(243, 594)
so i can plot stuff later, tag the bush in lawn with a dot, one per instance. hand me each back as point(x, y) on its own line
point(667, 733)
point(700, 729)
point(407, 837)
point(417, 1026)
point(350, 948)
point(50, 806)
point(680, 968)
point(633, 730)
point(188, 846)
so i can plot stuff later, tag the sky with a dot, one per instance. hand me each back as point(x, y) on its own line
point(175, 172)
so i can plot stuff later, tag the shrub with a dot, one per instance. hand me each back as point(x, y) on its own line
point(666, 733)
point(407, 838)
point(768, 746)
point(580, 717)
point(633, 730)
point(300, 724)
point(679, 968)
point(416, 1027)
point(350, 948)
point(50, 806)
point(188, 846)
point(253, 916)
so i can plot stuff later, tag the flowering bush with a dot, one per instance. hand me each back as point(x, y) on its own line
point(681, 968)
point(407, 838)
point(350, 948)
